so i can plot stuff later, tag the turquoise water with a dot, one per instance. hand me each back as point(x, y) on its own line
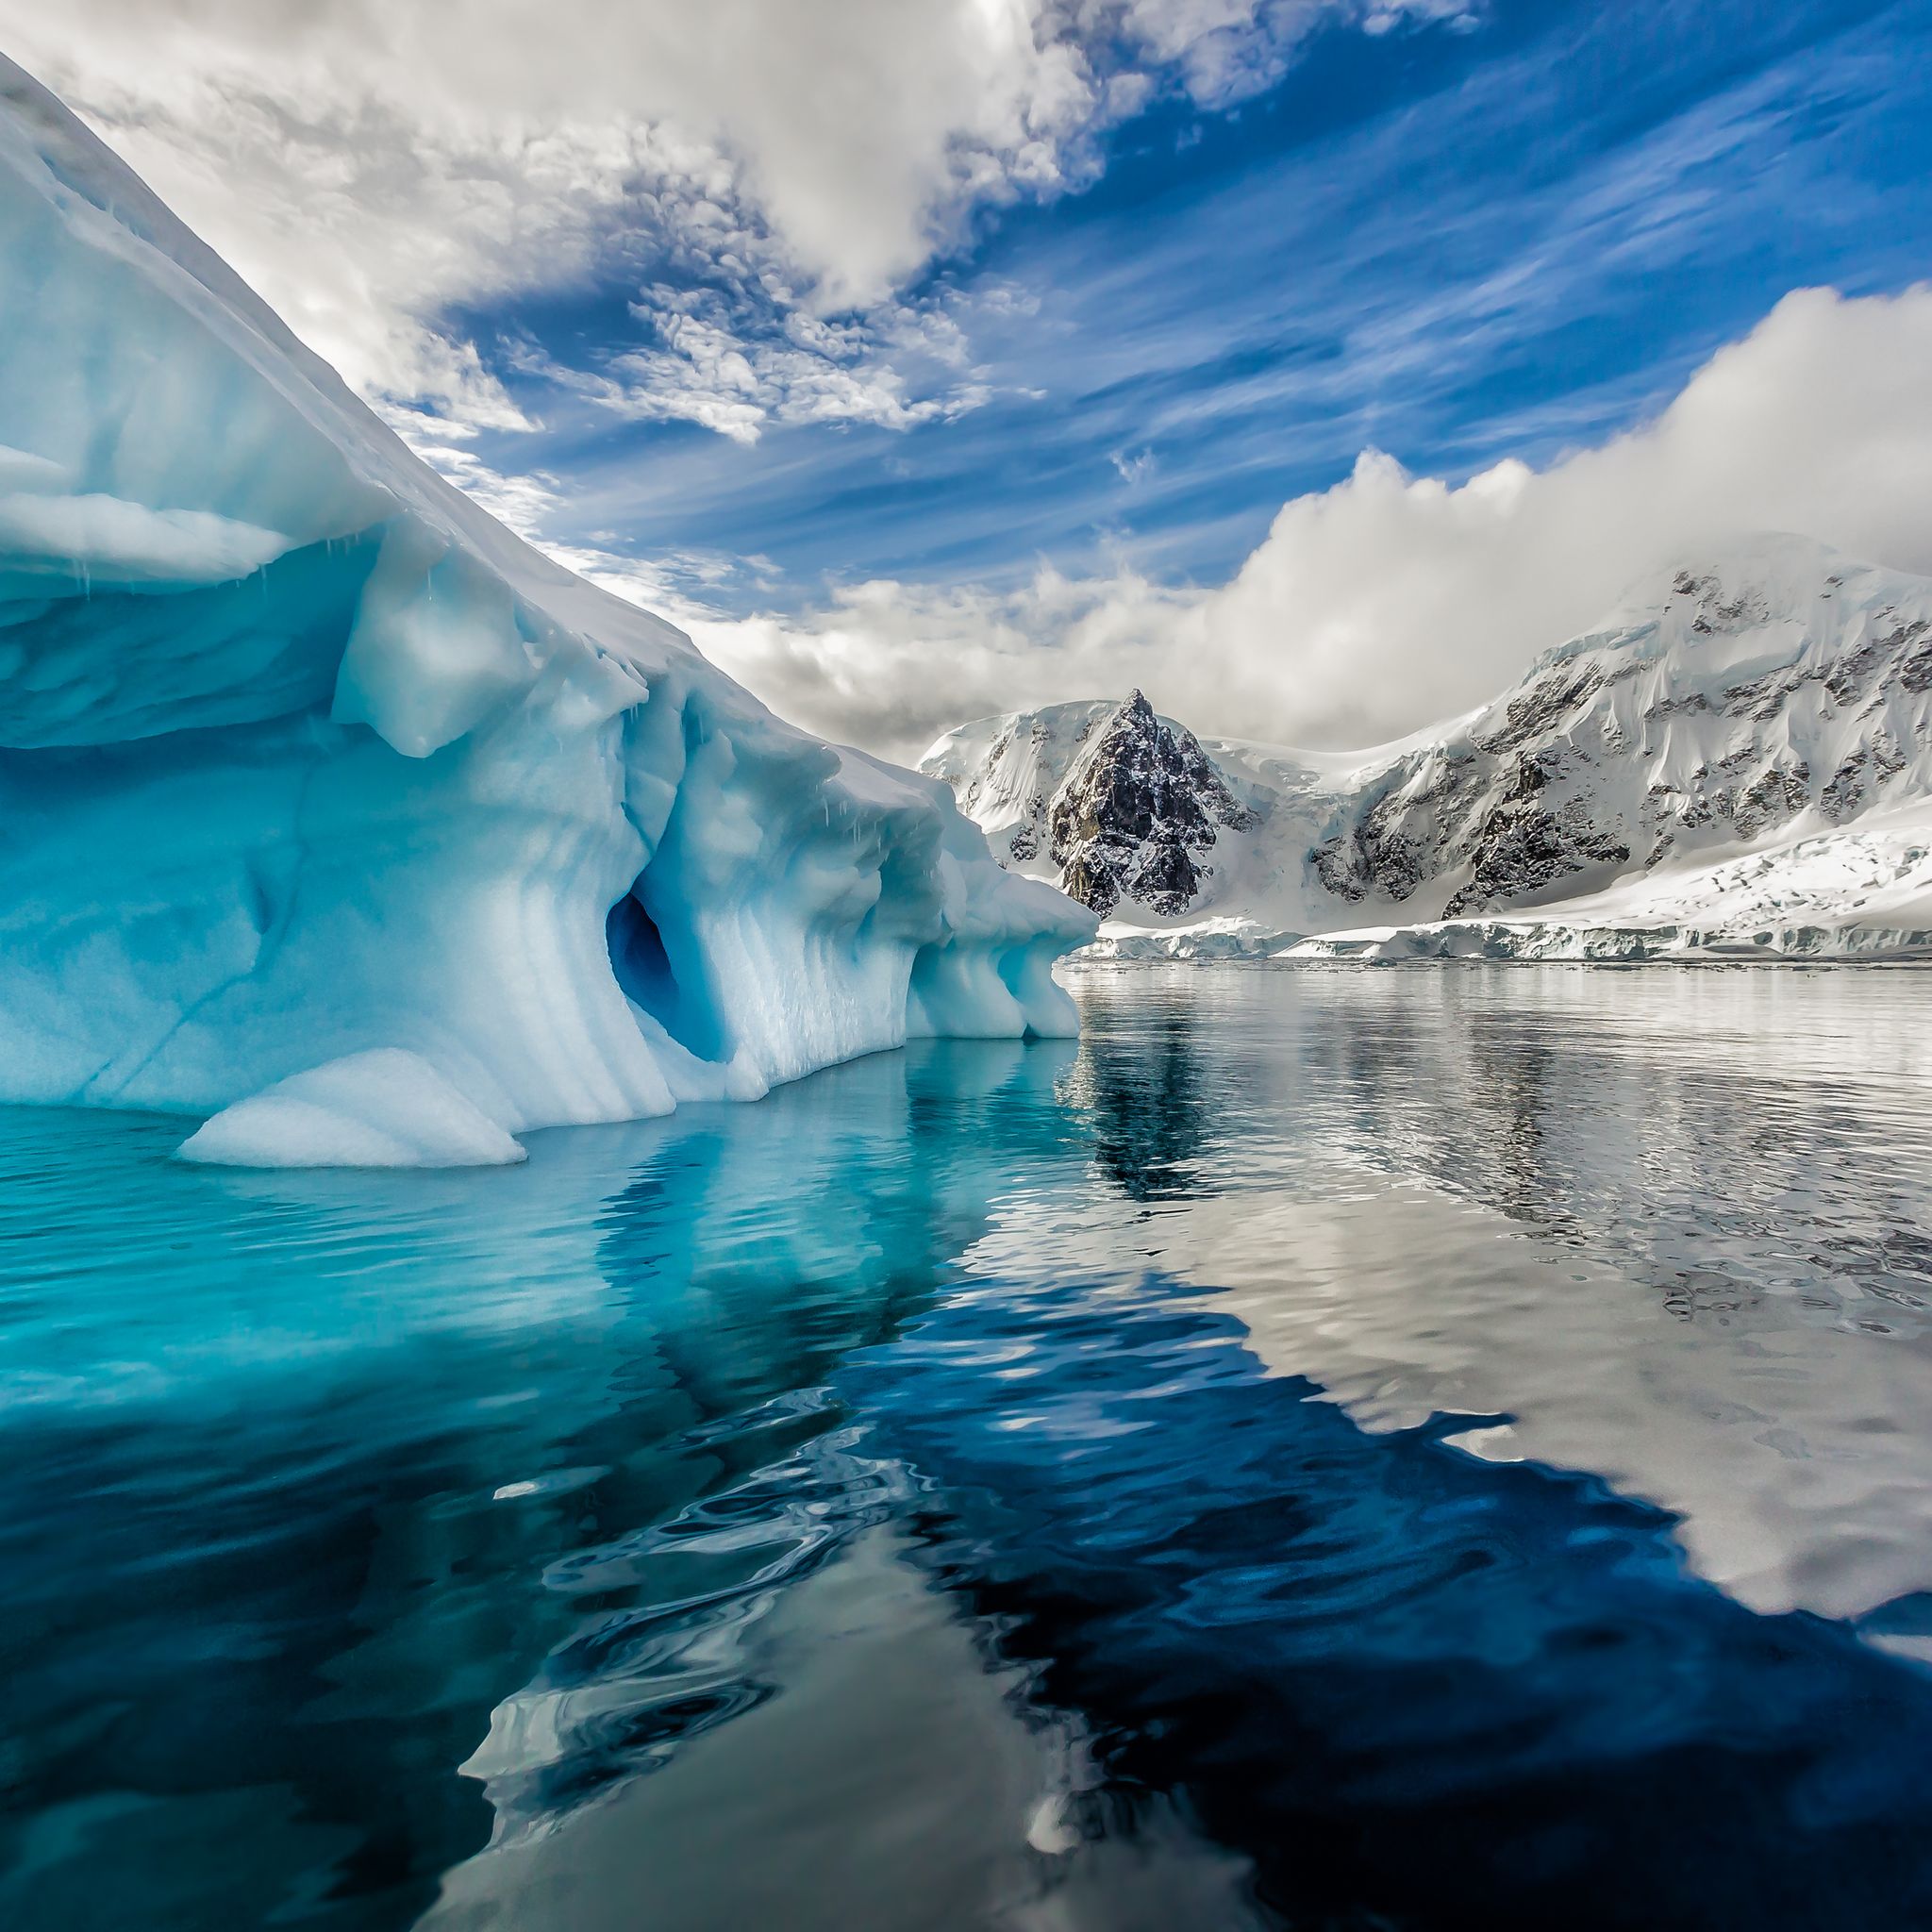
point(1329, 1448)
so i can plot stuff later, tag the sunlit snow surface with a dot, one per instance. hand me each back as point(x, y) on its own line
point(304, 758)
point(1190, 1475)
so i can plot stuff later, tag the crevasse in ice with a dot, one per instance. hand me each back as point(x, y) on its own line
point(315, 778)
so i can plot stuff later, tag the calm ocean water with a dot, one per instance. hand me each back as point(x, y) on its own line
point(1345, 1449)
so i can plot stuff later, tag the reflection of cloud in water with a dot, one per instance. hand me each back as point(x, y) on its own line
point(881, 1770)
point(1796, 1454)
point(1418, 1688)
point(626, 1474)
point(367, 1423)
point(1674, 1223)
point(1605, 1226)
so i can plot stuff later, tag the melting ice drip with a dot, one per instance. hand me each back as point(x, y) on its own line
point(333, 806)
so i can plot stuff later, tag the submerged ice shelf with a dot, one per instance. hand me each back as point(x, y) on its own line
point(309, 764)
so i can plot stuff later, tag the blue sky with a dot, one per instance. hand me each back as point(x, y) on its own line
point(927, 359)
point(1448, 244)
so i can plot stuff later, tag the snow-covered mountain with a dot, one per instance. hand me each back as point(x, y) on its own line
point(331, 805)
point(1740, 754)
point(1123, 805)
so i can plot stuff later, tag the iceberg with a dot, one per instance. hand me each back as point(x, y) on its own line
point(335, 809)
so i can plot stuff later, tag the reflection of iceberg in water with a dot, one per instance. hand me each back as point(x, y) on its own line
point(1356, 1650)
point(395, 1409)
point(724, 1645)
point(748, 1253)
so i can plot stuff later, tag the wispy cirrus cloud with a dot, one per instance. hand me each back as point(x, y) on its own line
point(737, 366)
point(1390, 600)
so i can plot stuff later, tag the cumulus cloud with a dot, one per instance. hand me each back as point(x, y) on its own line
point(371, 167)
point(1390, 601)
point(764, 177)
point(889, 666)
point(1231, 49)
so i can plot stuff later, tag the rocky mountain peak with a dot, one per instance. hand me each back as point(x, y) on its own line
point(1141, 804)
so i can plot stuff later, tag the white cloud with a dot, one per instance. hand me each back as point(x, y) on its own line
point(766, 174)
point(370, 166)
point(715, 364)
point(1230, 49)
point(1388, 601)
point(889, 666)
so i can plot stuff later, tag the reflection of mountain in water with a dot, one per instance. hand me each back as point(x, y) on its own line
point(1681, 1128)
point(1396, 1678)
point(1142, 1101)
point(619, 1481)
point(1679, 1233)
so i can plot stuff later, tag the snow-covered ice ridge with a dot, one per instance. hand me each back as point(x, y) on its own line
point(1736, 763)
point(318, 780)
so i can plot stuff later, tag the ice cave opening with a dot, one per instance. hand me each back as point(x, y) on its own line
point(650, 979)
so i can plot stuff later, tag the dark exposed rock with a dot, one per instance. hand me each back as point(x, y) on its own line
point(1715, 612)
point(1372, 859)
point(1844, 793)
point(1915, 671)
point(1527, 813)
point(1480, 809)
point(1762, 698)
point(1848, 678)
point(1399, 842)
point(1678, 706)
point(1521, 847)
point(1776, 792)
point(1339, 865)
point(1136, 811)
point(1625, 741)
point(1540, 708)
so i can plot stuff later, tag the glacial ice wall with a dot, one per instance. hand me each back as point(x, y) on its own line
point(306, 760)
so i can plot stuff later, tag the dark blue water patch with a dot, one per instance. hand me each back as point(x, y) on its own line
point(307, 1475)
point(1416, 1688)
point(325, 1616)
